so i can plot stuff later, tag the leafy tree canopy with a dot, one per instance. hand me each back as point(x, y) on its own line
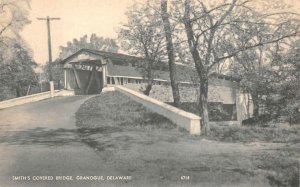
point(16, 70)
point(16, 63)
point(93, 42)
point(13, 17)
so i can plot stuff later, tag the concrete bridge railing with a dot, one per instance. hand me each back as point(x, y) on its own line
point(187, 120)
point(33, 98)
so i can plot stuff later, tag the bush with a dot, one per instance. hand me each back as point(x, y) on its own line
point(255, 133)
point(261, 120)
point(216, 111)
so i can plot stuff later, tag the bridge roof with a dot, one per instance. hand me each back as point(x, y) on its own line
point(126, 65)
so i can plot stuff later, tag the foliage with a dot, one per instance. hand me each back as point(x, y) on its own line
point(216, 111)
point(57, 73)
point(217, 33)
point(13, 17)
point(95, 42)
point(16, 71)
point(263, 71)
point(142, 35)
point(16, 63)
point(273, 82)
point(289, 89)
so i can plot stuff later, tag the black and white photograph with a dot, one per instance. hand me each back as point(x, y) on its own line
point(149, 93)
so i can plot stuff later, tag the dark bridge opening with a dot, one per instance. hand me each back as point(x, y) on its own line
point(85, 77)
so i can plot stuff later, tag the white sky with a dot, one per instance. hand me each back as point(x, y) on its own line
point(78, 17)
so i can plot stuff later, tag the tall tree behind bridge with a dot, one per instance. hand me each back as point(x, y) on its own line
point(142, 36)
point(208, 28)
point(288, 89)
point(261, 69)
point(94, 42)
point(170, 51)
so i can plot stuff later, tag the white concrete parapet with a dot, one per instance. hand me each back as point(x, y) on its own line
point(187, 120)
point(27, 99)
point(108, 89)
point(64, 93)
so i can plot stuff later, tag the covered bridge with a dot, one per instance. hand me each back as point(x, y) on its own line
point(89, 71)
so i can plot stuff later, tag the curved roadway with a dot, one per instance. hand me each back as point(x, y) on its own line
point(40, 139)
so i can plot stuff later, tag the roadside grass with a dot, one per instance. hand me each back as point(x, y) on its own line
point(154, 151)
point(278, 167)
point(252, 133)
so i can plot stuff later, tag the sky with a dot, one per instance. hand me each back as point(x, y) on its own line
point(78, 17)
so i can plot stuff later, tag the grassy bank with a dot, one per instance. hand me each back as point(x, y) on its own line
point(117, 110)
point(252, 133)
point(255, 134)
point(150, 148)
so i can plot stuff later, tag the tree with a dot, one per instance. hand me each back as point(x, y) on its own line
point(16, 64)
point(57, 71)
point(170, 51)
point(142, 36)
point(289, 88)
point(95, 42)
point(261, 68)
point(256, 74)
point(17, 72)
point(13, 17)
point(208, 29)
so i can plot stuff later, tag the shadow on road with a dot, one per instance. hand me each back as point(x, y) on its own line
point(53, 137)
point(40, 136)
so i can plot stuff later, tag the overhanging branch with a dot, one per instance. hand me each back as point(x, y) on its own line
point(253, 46)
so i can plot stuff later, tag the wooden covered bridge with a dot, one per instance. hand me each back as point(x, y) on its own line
point(86, 71)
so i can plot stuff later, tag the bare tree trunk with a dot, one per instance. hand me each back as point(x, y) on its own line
point(18, 90)
point(248, 106)
point(170, 50)
point(201, 70)
point(58, 84)
point(149, 75)
point(148, 89)
point(28, 90)
point(255, 101)
point(203, 103)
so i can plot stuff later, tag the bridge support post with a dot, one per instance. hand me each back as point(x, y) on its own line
point(51, 88)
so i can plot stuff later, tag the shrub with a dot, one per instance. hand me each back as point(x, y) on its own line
point(216, 111)
point(261, 120)
point(255, 133)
